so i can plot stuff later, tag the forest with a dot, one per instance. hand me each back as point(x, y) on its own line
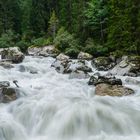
point(98, 27)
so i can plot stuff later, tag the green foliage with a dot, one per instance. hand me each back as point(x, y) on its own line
point(8, 39)
point(53, 25)
point(96, 19)
point(66, 43)
point(23, 45)
point(40, 42)
point(94, 48)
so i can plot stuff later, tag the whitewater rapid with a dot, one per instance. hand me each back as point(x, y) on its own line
point(53, 107)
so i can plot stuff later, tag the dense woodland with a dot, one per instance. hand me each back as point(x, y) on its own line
point(99, 27)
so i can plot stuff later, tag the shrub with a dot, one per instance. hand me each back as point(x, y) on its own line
point(94, 48)
point(23, 45)
point(40, 42)
point(8, 39)
point(66, 43)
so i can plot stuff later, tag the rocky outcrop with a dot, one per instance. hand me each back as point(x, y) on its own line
point(103, 63)
point(7, 94)
point(84, 56)
point(12, 54)
point(46, 51)
point(130, 66)
point(110, 86)
point(76, 68)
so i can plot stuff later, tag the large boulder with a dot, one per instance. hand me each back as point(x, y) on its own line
point(13, 54)
point(103, 63)
point(46, 51)
point(84, 56)
point(130, 66)
point(112, 90)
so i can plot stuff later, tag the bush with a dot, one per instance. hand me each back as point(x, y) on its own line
point(23, 45)
point(66, 43)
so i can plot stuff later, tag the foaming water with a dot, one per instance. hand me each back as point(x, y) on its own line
point(53, 107)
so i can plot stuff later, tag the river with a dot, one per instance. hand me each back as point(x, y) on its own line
point(53, 107)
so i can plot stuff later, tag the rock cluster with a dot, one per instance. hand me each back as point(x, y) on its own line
point(109, 86)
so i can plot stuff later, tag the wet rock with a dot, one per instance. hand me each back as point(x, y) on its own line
point(103, 63)
point(78, 75)
point(104, 80)
point(129, 66)
point(112, 90)
point(14, 54)
point(8, 94)
point(4, 84)
point(84, 56)
point(61, 66)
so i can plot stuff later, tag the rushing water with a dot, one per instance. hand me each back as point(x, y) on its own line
point(53, 107)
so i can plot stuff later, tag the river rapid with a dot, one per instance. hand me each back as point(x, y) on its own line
point(53, 107)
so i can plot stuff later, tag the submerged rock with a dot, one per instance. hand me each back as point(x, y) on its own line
point(14, 54)
point(132, 81)
point(6, 65)
point(78, 75)
point(112, 90)
point(84, 56)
